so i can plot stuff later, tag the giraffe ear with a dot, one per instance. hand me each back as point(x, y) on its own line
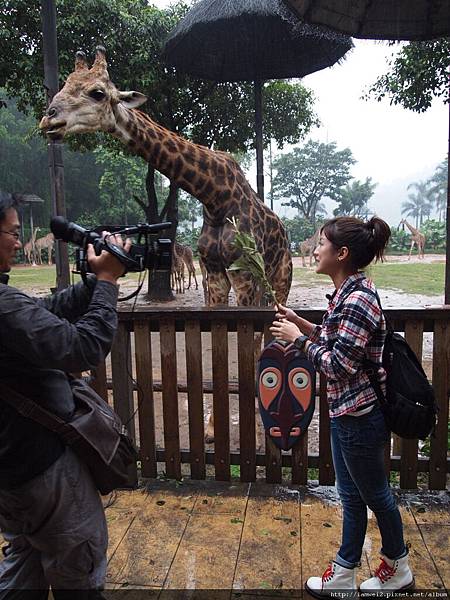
point(132, 99)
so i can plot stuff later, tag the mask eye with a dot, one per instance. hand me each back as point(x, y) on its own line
point(300, 380)
point(269, 379)
point(97, 94)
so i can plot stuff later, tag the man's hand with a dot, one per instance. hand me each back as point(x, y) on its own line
point(106, 266)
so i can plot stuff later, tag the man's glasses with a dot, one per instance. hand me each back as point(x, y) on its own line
point(13, 233)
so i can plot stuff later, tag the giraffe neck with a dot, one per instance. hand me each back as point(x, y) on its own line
point(410, 227)
point(196, 169)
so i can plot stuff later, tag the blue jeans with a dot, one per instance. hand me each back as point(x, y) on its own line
point(357, 445)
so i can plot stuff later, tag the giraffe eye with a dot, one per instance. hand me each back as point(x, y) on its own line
point(269, 379)
point(300, 380)
point(97, 94)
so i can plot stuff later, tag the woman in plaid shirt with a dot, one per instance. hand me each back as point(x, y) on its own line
point(353, 329)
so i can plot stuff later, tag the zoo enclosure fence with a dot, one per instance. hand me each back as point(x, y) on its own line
point(144, 334)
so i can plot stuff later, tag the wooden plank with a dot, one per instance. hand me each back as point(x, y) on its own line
point(273, 462)
point(145, 554)
point(410, 448)
point(223, 498)
point(207, 554)
point(146, 409)
point(221, 409)
point(122, 378)
point(300, 461)
point(119, 516)
point(437, 540)
point(98, 380)
point(194, 372)
point(272, 452)
point(170, 398)
point(271, 529)
point(326, 470)
point(246, 376)
point(441, 385)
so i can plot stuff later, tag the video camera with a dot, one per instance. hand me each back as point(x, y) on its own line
point(149, 252)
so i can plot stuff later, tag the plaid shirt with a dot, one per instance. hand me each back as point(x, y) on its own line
point(352, 330)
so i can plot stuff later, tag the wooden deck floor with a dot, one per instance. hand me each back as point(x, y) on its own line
point(253, 540)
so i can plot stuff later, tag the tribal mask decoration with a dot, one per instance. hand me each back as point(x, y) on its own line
point(286, 383)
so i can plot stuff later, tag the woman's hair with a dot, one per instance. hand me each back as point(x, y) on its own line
point(364, 240)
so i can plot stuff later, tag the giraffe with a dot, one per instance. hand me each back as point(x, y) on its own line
point(47, 242)
point(29, 248)
point(177, 271)
point(308, 246)
point(89, 102)
point(185, 252)
point(417, 238)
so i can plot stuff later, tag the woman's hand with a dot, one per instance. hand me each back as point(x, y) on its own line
point(285, 313)
point(285, 330)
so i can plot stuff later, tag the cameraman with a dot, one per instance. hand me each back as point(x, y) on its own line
point(51, 514)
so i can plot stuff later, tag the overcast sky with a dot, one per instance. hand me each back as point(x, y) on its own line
point(392, 145)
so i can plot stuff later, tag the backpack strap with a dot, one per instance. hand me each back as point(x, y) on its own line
point(371, 368)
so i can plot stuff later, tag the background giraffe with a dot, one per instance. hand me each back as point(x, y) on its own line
point(29, 248)
point(186, 254)
point(308, 246)
point(177, 271)
point(45, 243)
point(417, 239)
point(89, 102)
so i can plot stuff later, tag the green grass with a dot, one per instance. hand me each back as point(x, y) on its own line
point(33, 277)
point(412, 278)
point(426, 279)
point(42, 278)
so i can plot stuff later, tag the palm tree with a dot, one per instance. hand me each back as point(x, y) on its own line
point(438, 188)
point(419, 204)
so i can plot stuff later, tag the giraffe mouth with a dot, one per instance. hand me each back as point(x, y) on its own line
point(56, 131)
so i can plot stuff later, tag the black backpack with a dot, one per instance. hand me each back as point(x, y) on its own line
point(409, 406)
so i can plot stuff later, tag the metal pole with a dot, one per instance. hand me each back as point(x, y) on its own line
point(447, 252)
point(55, 149)
point(259, 139)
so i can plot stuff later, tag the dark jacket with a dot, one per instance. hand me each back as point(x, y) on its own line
point(41, 340)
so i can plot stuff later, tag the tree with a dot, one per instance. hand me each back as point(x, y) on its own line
point(419, 204)
point(416, 75)
point(309, 174)
point(438, 189)
point(134, 33)
point(353, 198)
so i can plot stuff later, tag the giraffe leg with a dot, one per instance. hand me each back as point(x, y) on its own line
point(218, 288)
point(195, 278)
point(410, 250)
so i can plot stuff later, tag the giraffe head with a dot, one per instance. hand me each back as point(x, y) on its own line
point(89, 101)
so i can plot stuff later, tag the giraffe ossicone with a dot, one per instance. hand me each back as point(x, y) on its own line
point(89, 101)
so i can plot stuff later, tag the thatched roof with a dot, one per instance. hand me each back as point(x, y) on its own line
point(378, 19)
point(241, 40)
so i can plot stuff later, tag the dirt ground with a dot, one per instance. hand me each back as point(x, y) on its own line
point(312, 297)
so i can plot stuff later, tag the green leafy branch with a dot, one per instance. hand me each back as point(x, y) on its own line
point(251, 259)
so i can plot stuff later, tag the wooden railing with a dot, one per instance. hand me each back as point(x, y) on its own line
point(144, 364)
